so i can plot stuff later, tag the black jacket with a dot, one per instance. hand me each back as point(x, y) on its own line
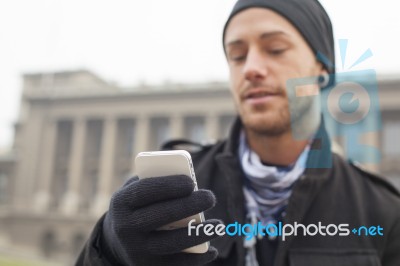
point(341, 194)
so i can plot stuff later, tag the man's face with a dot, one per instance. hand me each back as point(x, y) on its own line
point(264, 50)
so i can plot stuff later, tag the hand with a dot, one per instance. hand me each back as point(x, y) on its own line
point(140, 207)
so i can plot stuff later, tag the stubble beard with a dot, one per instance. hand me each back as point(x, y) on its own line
point(274, 123)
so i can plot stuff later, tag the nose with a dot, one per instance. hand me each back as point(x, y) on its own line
point(255, 68)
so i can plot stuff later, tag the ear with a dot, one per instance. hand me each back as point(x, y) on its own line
point(324, 71)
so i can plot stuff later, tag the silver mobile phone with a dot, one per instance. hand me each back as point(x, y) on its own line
point(165, 163)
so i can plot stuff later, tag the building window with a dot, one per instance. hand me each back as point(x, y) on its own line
point(3, 188)
point(94, 184)
point(88, 189)
point(126, 136)
point(64, 136)
point(94, 138)
point(159, 132)
point(195, 128)
point(59, 182)
point(391, 133)
point(59, 186)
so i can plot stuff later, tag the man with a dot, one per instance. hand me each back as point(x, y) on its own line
point(263, 173)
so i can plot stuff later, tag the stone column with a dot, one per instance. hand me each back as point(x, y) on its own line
point(43, 194)
point(176, 126)
point(141, 137)
point(371, 139)
point(106, 173)
point(70, 202)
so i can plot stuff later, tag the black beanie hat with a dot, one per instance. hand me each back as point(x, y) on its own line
point(310, 19)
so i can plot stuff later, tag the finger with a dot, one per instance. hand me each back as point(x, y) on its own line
point(152, 217)
point(174, 241)
point(143, 192)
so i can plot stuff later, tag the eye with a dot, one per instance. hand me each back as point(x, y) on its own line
point(238, 58)
point(276, 47)
point(277, 51)
point(237, 54)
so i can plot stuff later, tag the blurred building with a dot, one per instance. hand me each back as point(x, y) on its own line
point(77, 136)
point(75, 143)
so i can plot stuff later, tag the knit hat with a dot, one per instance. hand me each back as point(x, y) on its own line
point(309, 18)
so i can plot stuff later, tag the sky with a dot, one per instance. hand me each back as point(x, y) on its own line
point(131, 42)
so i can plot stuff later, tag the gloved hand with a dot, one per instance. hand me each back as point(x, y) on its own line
point(130, 235)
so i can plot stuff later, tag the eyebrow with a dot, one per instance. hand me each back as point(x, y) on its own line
point(265, 35)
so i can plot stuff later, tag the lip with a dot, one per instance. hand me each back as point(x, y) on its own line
point(259, 96)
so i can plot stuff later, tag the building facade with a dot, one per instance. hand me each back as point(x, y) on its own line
point(77, 136)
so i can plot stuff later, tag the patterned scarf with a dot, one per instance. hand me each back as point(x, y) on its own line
point(267, 190)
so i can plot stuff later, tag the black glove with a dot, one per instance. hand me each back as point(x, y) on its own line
point(130, 235)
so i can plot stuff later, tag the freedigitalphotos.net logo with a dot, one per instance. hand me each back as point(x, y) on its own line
point(250, 231)
point(349, 105)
